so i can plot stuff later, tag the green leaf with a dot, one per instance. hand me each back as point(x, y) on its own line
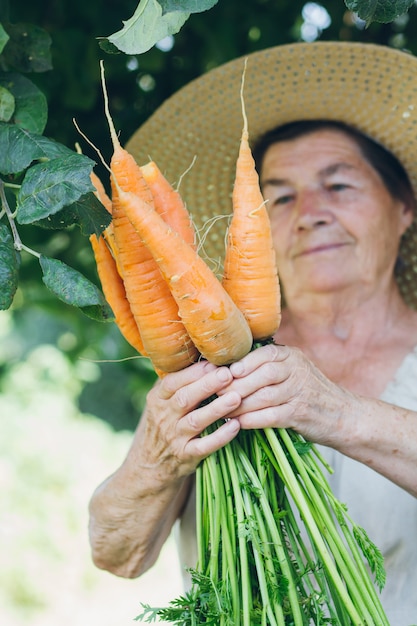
point(383, 11)
point(188, 6)
point(28, 49)
point(146, 27)
point(7, 104)
point(31, 111)
point(108, 47)
point(9, 268)
point(75, 289)
point(88, 213)
point(18, 148)
point(48, 187)
point(372, 554)
point(4, 38)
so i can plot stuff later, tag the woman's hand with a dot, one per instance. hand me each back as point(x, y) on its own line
point(175, 417)
point(281, 388)
point(132, 512)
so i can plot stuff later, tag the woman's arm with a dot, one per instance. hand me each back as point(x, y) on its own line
point(280, 387)
point(382, 436)
point(132, 512)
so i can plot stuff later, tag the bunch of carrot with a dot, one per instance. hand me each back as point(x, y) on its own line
point(166, 300)
point(256, 567)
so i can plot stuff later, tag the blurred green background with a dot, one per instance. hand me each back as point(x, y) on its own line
point(72, 390)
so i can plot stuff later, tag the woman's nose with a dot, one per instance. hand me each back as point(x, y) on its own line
point(312, 210)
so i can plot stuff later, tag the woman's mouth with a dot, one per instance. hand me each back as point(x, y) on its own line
point(317, 249)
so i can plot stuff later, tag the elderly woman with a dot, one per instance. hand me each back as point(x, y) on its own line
point(343, 370)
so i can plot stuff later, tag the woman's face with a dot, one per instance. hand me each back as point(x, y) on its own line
point(334, 223)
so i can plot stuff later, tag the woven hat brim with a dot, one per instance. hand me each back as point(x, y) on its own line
point(370, 87)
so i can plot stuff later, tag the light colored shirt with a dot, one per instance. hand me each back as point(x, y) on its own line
point(385, 511)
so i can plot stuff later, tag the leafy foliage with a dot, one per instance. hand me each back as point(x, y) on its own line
point(4, 38)
point(379, 10)
point(27, 105)
point(20, 147)
point(28, 49)
point(72, 287)
point(86, 212)
point(9, 268)
point(147, 26)
point(153, 20)
point(45, 176)
point(48, 187)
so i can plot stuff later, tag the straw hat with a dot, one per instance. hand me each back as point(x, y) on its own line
point(371, 87)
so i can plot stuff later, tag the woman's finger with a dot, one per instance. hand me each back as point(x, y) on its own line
point(191, 396)
point(170, 384)
point(271, 353)
point(195, 422)
point(200, 447)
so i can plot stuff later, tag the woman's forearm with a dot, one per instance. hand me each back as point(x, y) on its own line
point(130, 521)
point(382, 436)
point(132, 512)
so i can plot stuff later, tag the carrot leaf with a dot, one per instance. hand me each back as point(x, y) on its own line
point(87, 212)
point(75, 289)
point(9, 268)
point(48, 187)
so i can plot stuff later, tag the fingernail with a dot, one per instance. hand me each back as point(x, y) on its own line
point(232, 398)
point(223, 374)
point(236, 368)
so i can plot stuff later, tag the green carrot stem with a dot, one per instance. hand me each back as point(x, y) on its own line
point(249, 496)
point(342, 558)
point(368, 589)
point(240, 521)
point(338, 548)
point(199, 499)
point(229, 541)
point(266, 573)
point(270, 521)
point(303, 506)
point(216, 492)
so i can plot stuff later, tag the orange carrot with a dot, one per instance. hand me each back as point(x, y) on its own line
point(250, 272)
point(115, 294)
point(101, 192)
point(108, 233)
point(111, 281)
point(123, 165)
point(168, 203)
point(164, 336)
point(215, 324)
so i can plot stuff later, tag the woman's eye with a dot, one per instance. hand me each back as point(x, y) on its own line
point(283, 199)
point(338, 186)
